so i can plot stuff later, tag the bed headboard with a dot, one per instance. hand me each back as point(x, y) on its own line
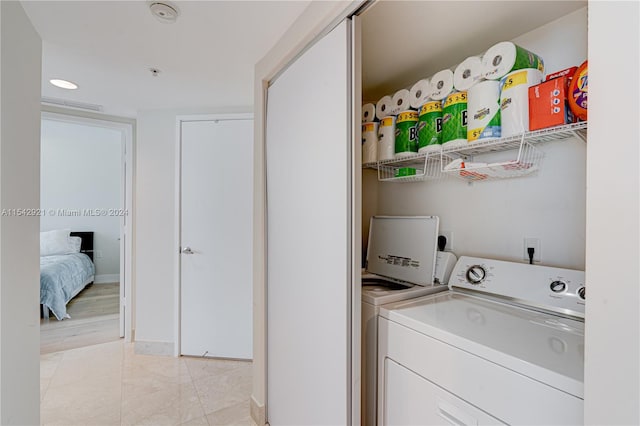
point(87, 242)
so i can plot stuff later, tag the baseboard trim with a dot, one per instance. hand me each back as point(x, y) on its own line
point(153, 348)
point(257, 412)
point(106, 278)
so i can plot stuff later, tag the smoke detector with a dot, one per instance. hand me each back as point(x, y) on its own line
point(164, 11)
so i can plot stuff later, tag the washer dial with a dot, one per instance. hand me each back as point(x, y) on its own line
point(582, 292)
point(558, 286)
point(476, 274)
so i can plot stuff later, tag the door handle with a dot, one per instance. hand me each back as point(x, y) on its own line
point(187, 250)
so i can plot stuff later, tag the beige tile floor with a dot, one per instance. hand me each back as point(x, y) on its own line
point(108, 384)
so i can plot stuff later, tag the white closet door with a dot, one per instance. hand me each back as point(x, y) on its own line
point(308, 149)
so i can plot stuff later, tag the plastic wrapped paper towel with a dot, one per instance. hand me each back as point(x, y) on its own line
point(468, 73)
point(368, 113)
point(504, 57)
point(383, 107)
point(441, 85)
point(369, 142)
point(420, 93)
point(400, 102)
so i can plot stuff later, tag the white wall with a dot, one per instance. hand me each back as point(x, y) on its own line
point(155, 254)
point(491, 219)
point(612, 359)
point(81, 168)
point(20, 65)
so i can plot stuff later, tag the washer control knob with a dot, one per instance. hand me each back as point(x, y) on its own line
point(582, 293)
point(476, 274)
point(558, 286)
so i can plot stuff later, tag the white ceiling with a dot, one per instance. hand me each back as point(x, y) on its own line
point(404, 41)
point(206, 58)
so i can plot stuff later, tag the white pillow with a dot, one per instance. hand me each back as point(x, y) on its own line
point(55, 242)
point(74, 244)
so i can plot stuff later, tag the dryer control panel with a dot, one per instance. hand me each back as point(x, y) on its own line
point(544, 287)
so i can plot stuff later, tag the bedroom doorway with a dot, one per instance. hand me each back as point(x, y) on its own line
point(86, 190)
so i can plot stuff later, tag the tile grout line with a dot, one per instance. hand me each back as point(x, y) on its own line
point(206, 417)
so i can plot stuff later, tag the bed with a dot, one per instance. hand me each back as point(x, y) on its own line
point(63, 276)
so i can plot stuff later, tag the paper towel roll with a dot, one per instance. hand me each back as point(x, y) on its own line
point(420, 93)
point(387, 138)
point(368, 113)
point(468, 73)
point(441, 84)
point(400, 102)
point(369, 142)
point(483, 109)
point(454, 120)
point(504, 57)
point(430, 127)
point(383, 107)
point(514, 100)
point(406, 137)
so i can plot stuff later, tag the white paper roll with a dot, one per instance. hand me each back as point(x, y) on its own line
point(401, 101)
point(420, 93)
point(468, 73)
point(441, 85)
point(369, 142)
point(384, 107)
point(368, 113)
point(514, 100)
point(387, 138)
point(504, 57)
point(483, 111)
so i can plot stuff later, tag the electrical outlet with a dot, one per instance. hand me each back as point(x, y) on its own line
point(535, 243)
point(448, 236)
point(98, 254)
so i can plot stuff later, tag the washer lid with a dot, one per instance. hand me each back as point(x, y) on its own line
point(403, 248)
point(544, 347)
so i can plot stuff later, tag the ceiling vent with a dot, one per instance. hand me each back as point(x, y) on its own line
point(71, 104)
point(164, 11)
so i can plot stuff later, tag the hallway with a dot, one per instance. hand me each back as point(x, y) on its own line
point(108, 384)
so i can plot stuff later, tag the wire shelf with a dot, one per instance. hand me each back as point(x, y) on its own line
point(514, 142)
point(439, 164)
point(527, 162)
point(412, 168)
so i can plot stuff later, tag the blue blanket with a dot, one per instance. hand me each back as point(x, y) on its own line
point(61, 278)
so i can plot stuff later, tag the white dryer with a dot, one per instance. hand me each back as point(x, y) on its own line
point(401, 265)
point(505, 345)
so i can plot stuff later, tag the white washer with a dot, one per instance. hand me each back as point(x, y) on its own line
point(504, 346)
point(402, 254)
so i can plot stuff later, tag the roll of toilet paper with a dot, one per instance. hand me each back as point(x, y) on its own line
point(483, 110)
point(369, 142)
point(441, 85)
point(383, 107)
point(454, 120)
point(504, 57)
point(368, 113)
point(468, 73)
point(400, 102)
point(387, 138)
point(420, 93)
point(514, 100)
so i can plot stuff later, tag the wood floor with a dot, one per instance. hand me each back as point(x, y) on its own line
point(94, 319)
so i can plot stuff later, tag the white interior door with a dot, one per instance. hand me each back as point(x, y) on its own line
point(216, 238)
point(308, 152)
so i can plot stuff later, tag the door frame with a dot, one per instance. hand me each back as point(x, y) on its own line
point(126, 128)
point(177, 287)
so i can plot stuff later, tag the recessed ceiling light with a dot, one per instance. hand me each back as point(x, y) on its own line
point(63, 84)
point(164, 11)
